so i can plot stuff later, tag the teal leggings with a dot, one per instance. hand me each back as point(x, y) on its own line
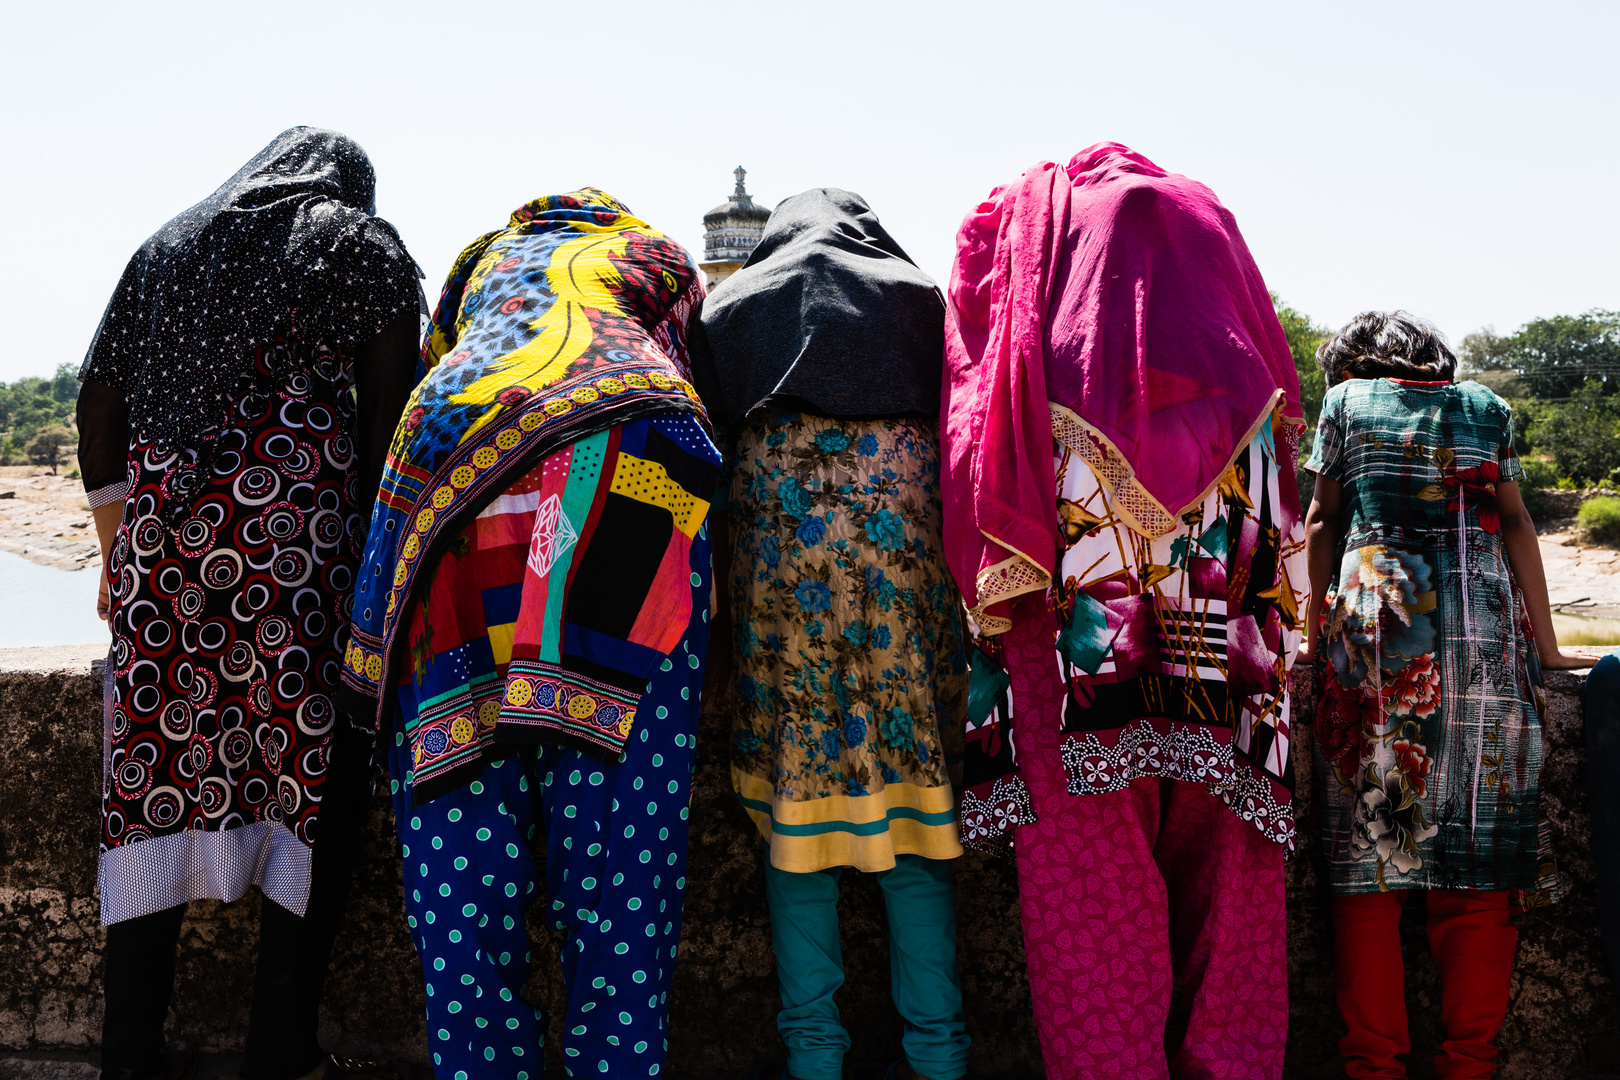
point(922, 961)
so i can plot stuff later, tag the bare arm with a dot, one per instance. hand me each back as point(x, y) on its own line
point(1524, 553)
point(385, 373)
point(1321, 542)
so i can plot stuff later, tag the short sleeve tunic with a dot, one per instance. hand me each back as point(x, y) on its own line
point(1428, 736)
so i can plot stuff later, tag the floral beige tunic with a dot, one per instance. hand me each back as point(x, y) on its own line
point(849, 641)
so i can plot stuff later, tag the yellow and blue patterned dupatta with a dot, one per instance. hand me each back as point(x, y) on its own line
point(566, 322)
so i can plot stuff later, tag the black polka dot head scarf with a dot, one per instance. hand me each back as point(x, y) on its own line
point(290, 242)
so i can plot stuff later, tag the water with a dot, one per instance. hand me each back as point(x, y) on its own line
point(42, 606)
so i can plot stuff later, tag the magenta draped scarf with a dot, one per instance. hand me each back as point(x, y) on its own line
point(1114, 306)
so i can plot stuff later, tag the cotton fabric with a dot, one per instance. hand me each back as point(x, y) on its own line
point(614, 835)
point(568, 321)
point(1175, 651)
point(849, 641)
point(553, 607)
point(1429, 735)
point(1473, 941)
point(293, 234)
point(1114, 306)
point(927, 994)
point(828, 314)
point(228, 631)
point(1122, 894)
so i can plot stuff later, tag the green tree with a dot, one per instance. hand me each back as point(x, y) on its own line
point(50, 446)
point(1555, 357)
point(1304, 337)
point(1582, 434)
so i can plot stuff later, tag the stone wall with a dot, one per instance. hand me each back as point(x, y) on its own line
point(724, 1000)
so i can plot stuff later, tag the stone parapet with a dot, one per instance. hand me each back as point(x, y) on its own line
point(725, 998)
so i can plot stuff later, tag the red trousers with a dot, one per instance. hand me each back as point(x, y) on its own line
point(1472, 940)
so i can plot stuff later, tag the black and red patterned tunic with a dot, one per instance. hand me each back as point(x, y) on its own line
point(231, 582)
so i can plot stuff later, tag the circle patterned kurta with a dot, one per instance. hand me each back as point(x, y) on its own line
point(230, 579)
point(849, 640)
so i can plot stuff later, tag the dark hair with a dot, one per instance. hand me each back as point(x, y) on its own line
point(1386, 345)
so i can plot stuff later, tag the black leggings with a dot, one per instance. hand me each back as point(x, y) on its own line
point(293, 951)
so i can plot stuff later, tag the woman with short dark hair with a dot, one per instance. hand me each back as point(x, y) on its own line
point(229, 465)
point(1429, 605)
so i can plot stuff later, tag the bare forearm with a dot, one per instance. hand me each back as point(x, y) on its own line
point(1321, 538)
point(107, 519)
point(1524, 554)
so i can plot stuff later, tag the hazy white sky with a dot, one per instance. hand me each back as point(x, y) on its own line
point(1457, 159)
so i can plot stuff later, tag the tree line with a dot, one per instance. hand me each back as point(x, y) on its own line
point(1561, 375)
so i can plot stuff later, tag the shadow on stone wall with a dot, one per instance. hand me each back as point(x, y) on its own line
point(724, 1001)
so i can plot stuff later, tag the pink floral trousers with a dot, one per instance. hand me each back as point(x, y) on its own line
point(1125, 892)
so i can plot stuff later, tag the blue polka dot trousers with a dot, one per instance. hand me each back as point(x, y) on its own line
point(615, 859)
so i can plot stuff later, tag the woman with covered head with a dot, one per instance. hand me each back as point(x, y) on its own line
point(1121, 421)
point(236, 403)
point(1429, 609)
point(822, 358)
point(531, 626)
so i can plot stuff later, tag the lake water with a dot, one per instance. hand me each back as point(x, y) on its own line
point(42, 606)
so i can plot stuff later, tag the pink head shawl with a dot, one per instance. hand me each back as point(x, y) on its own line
point(1114, 306)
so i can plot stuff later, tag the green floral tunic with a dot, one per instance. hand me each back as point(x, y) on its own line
point(1428, 739)
point(849, 641)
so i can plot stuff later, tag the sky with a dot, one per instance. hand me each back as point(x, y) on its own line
point(1454, 159)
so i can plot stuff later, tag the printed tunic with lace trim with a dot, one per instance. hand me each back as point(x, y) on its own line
point(1174, 649)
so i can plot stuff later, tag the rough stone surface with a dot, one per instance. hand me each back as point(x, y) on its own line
point(724, 1001)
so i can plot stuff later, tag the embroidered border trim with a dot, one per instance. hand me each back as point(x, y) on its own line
point(453, 732)
point(469, 469)
point(987, 824)
point(1185, 752)
point(544, 696)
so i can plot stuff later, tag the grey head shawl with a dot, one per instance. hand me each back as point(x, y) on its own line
point(828, 314)
point(292, 231)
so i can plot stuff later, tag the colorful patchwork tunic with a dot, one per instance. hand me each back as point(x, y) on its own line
point(1428, 736)
point(518, 451)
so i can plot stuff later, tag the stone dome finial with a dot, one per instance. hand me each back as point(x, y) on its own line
point(731, 231)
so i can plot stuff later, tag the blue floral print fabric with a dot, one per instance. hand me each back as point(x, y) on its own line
point(849, 640)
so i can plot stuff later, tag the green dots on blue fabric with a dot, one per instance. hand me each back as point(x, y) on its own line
point(588, 883)
point(512, 1023)
point(488, 880)
point(511, 851)
point(696, 581)
point(443, 1034)
point(692, 662)
point(663, 834)
point(438, 963)
point(429, 917)
point(646, 856)
point(506, 958)
point(416, 823)
point(574, 777)
point(686, 693)
point(506, 994)
point(641, 1047)
point(634, 903)
point(663, 714)
point(454, 1006)
point(570, 812)
point(666, 665)
point(658, 761)
point(618, 879)
point(460, 863)
point(511, 889)
point(482, 834)
point(674, 787)
point(469, 910)
point(489, 1053)
point(652, 808)
point(455, 935)
point(410, 920)
point(438, 843)
point(640, 976)
point(444, 890)
point(454, 815)
point(594, 850)
point(621, 948)
point(508, 922)
point(476, 787)
point(625, 1018)
point(596, 779)
point(467, 980)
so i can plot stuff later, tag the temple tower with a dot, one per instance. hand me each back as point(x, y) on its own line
point(731, 231)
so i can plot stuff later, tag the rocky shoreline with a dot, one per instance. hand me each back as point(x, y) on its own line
point(46, 520)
